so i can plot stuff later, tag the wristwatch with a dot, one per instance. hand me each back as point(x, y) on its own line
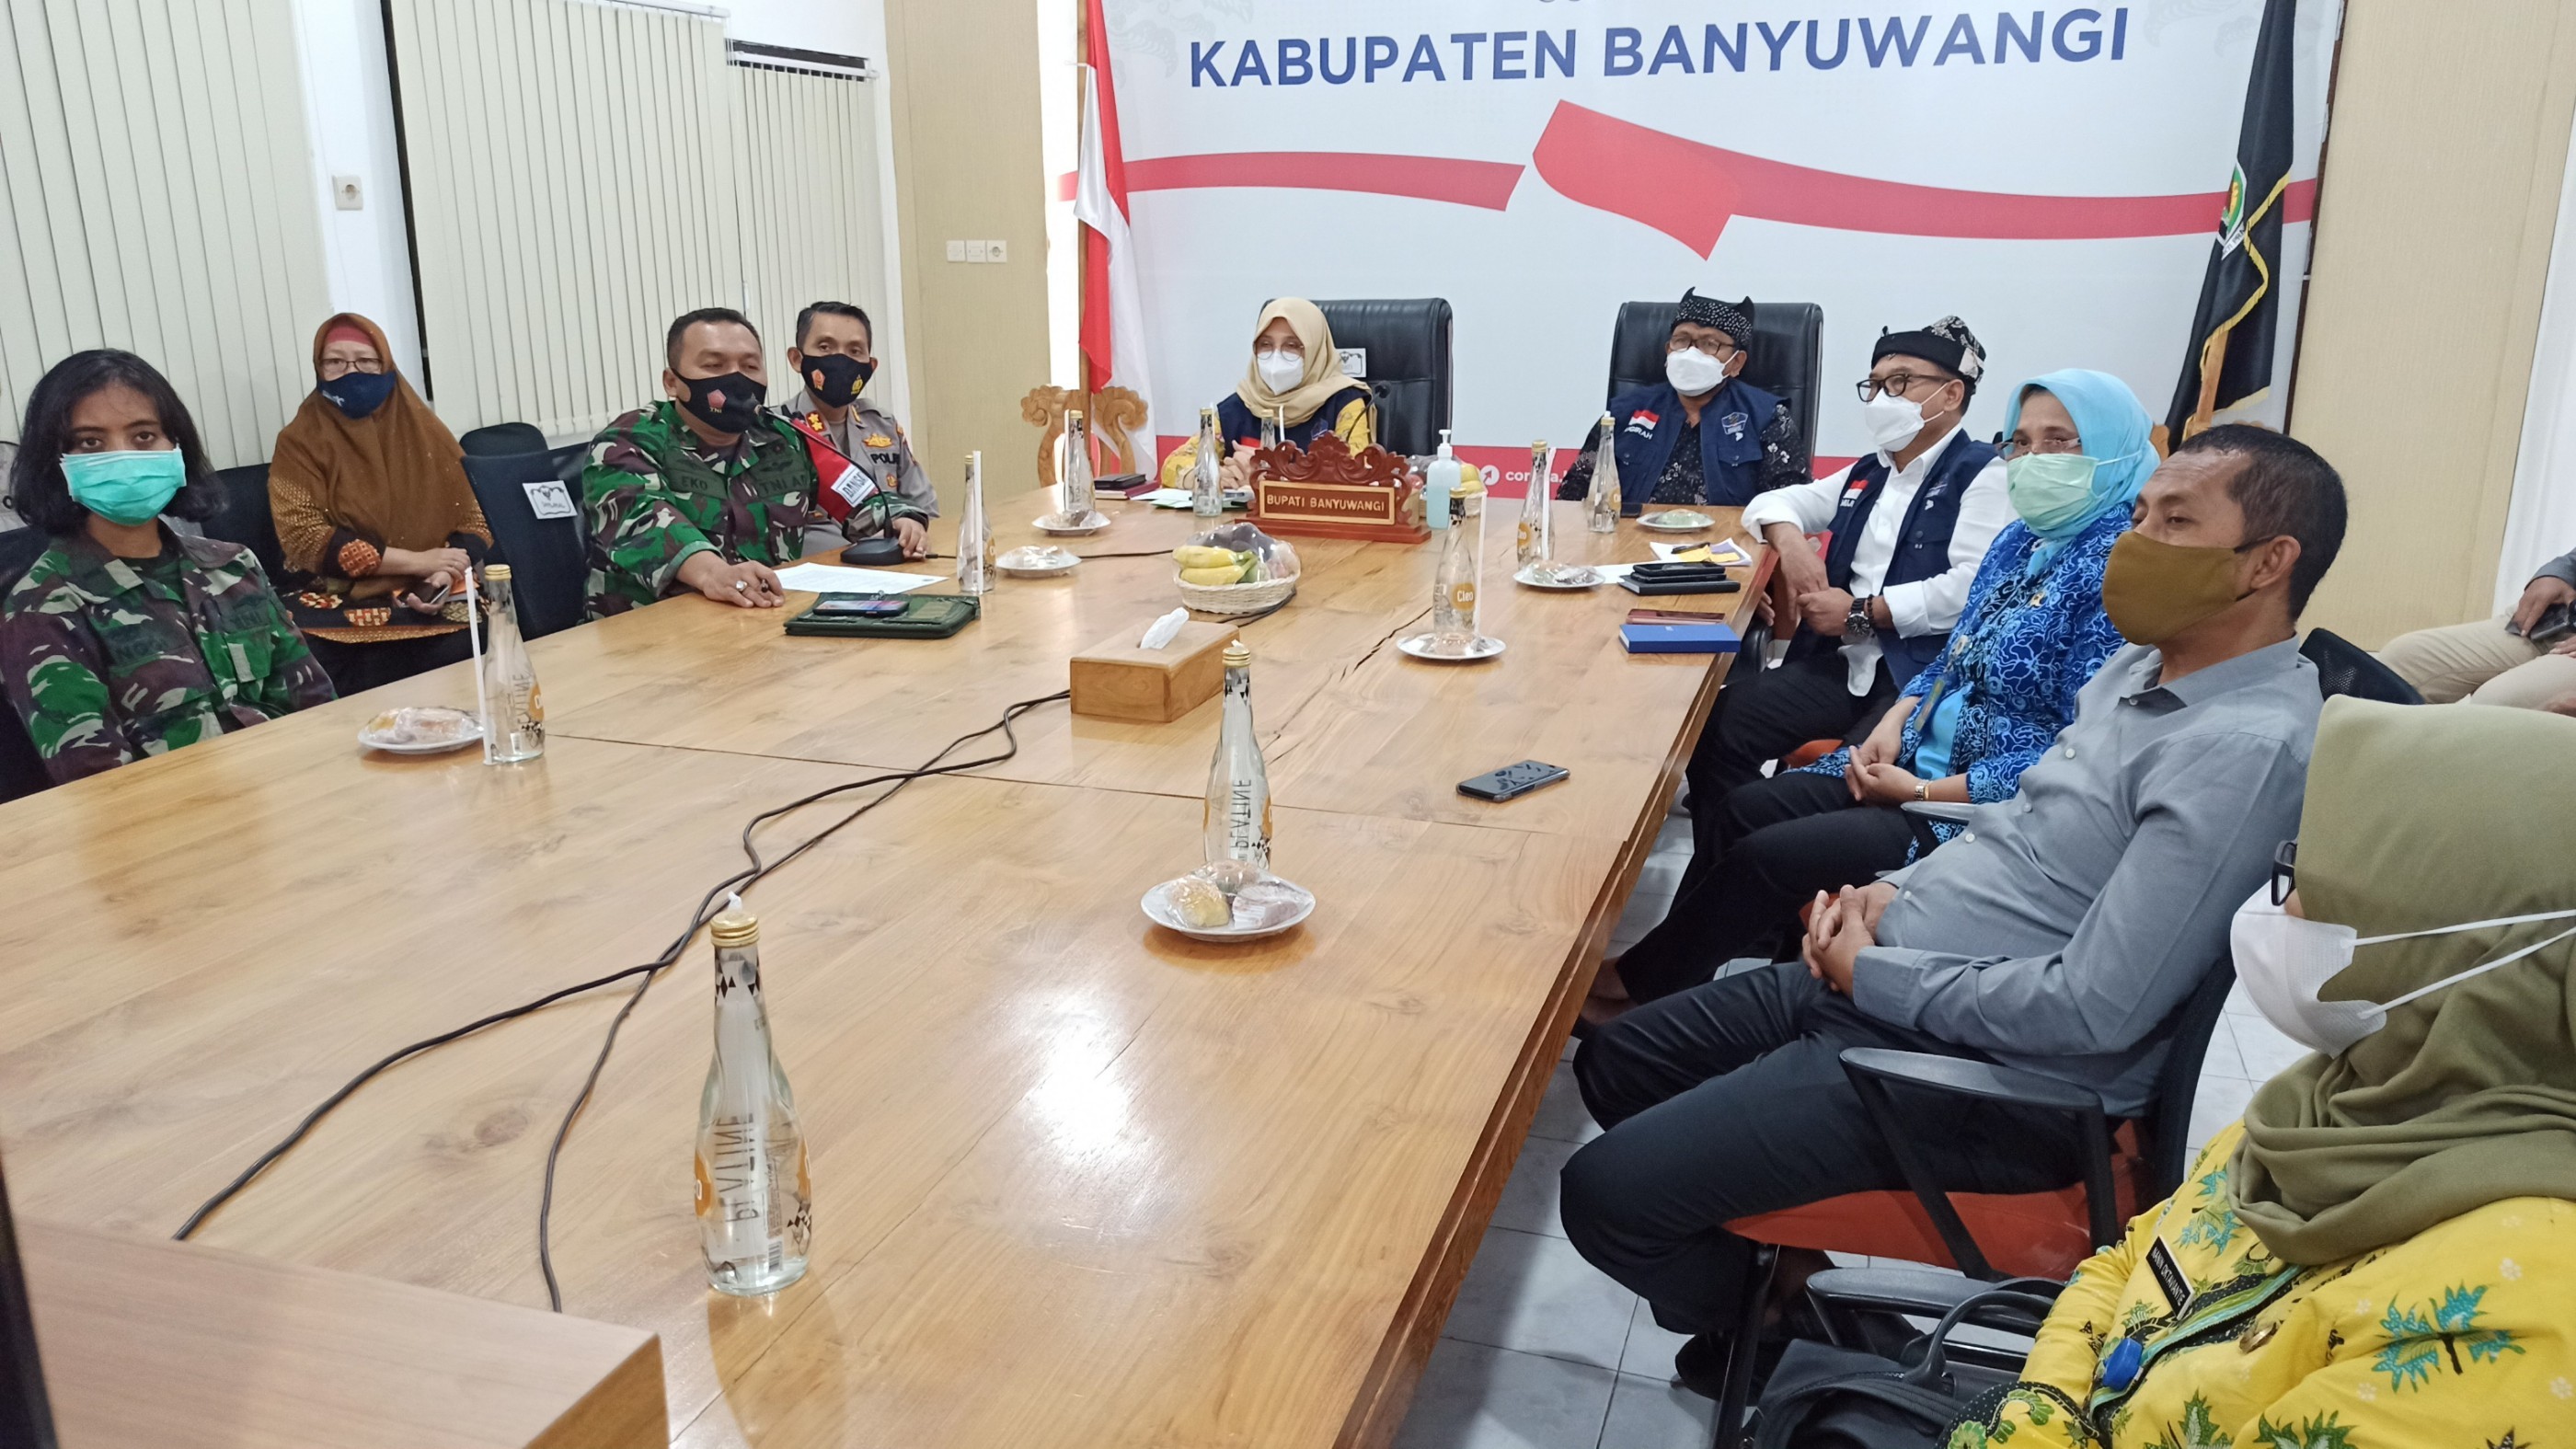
point(1858, 624)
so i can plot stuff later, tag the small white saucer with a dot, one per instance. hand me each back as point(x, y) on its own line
point(1584, 578)
point(1431, 646)
point(1677, 521)
point(1055, 523)
point(1158, 909)
point(1022, 563)
point(467, 731)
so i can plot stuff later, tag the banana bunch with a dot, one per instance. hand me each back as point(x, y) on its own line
point(1211, 567)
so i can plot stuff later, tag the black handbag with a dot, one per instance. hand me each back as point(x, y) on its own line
point(1825, 1397)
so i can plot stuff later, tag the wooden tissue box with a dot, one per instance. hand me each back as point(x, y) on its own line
point(1114, 679)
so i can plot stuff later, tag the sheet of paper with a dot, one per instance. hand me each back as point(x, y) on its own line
point(837, 579)
point(1725, 551)
point(1169, 498)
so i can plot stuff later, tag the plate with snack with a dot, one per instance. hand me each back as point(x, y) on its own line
point(1228, 901)
point(418, 730)
point(1676, 520)
point(1037, 561)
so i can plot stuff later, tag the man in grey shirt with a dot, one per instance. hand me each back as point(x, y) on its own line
point(2056, 934)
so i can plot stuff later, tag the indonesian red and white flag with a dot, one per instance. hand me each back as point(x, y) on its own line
point(1113, 304)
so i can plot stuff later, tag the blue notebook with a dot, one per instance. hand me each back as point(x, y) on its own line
point(1713, 637)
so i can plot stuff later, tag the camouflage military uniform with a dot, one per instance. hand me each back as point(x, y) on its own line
point(657, 494)
point(110, 659)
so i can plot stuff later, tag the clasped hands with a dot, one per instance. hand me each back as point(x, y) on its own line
point(1820, 605)
point(1839, 927)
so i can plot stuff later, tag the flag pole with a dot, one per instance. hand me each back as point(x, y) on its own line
point(1085, 239)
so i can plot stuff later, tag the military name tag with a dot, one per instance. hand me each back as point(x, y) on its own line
point(548, 498)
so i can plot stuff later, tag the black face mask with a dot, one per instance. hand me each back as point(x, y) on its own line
point(358, 393)
point(836, 380)
point(729, 404)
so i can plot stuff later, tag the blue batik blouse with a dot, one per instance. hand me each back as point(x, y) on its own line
point(2033, 633)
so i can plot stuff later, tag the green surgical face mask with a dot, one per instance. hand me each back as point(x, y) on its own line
point(2050, 490)
point(125, 487)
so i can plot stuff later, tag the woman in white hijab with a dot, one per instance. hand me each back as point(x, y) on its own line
point(1295, 378)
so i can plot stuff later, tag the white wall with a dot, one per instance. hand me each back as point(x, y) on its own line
point(2541, 524)
point(348, 107)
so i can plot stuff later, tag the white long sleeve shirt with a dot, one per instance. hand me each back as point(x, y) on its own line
point(1927, 606)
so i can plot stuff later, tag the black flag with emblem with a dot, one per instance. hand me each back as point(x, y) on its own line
point(2230, 360)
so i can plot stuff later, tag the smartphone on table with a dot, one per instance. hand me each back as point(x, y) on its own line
point(1512, 781)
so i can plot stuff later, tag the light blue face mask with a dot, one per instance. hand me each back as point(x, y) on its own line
point(128, 487)
point(2055, 492)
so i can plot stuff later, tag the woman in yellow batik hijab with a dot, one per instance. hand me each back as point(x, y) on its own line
point(1295, 378)
point(2382, 1254)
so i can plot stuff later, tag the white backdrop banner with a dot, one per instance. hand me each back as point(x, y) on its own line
point(2053, 175)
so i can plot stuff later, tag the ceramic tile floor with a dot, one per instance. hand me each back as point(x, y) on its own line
point(1543, 1352)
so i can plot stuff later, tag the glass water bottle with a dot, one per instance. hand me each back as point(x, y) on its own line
point(1079, 504)
point(755, 1203)
point(1238, 792)
point(1207, 481)
point(1601, 505)
point(1274, 428)
point(514, 709)
point(974, 533)
point(1537, 539)
point(1453, 599)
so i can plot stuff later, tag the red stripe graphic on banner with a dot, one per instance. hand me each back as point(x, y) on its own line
point(1689, 190)
point(1431, 178)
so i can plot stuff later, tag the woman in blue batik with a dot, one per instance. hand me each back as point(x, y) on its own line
point(1963, 731)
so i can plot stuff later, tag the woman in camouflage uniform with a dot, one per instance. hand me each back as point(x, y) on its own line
point(125, 638)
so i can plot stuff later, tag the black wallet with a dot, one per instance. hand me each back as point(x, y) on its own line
point(923, 616)
point(1679, 578)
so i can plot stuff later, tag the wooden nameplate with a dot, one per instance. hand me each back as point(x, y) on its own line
point(1327, 491)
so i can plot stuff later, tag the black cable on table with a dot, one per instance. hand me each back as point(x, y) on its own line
point(750, 875)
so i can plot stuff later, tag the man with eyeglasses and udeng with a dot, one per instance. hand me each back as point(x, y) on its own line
point(1909, 524)
point(1703, 435)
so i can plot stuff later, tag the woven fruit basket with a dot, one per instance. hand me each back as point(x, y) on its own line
point(1266, 571)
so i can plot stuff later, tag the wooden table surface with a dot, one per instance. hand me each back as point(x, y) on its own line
point(1078, 1181)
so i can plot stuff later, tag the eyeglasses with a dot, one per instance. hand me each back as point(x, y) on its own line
point(1714, 348)
point(1899, 383)
point(334, 369)
point(2285, 872)
point(2043, 445)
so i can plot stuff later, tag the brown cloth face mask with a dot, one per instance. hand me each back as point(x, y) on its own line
point(2154, 590)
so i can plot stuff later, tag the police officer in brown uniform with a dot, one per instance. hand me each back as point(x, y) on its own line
point(834, 356)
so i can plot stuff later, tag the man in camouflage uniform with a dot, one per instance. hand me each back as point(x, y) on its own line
point(705, 492)
point(834, 357)
point(110, 659)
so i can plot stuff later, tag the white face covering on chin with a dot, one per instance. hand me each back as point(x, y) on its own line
point(1280, 371)
point(2285, 960)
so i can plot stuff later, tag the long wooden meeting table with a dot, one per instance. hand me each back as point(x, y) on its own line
point(1077, 1181)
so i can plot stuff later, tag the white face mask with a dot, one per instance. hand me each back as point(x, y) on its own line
point(2285, 960)
point(1892, 421)
point(1692, 371)
point(1280, 371)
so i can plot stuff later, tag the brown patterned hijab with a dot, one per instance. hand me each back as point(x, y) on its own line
point(395, 476)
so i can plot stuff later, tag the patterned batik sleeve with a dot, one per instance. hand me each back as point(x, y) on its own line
point(1578, 474)
point(1355, 425)
point(639, 526)
point(2080, 639)
point(56, 680)
point(1784, 453)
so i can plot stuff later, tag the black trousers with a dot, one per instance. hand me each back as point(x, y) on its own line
point(357, 667)
point(1729, 1100)
point(1781, 840)
point(1763, 714)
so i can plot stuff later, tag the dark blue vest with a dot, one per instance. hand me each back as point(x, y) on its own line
point(1922, 545)
point(1238, 424)
point(1730, 441)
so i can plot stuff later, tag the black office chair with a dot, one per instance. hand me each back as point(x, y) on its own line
point(1786, 353)
point(2344, 667)
point(245, 518)
point(503, 440)
point(548, 557)
point(1887, 1079)
point(1407, 345)
point(22, 771)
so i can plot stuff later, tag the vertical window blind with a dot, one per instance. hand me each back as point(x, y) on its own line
point(581, 173)
point(156, 195)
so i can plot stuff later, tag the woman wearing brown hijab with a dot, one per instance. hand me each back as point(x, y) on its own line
point(377, 523)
